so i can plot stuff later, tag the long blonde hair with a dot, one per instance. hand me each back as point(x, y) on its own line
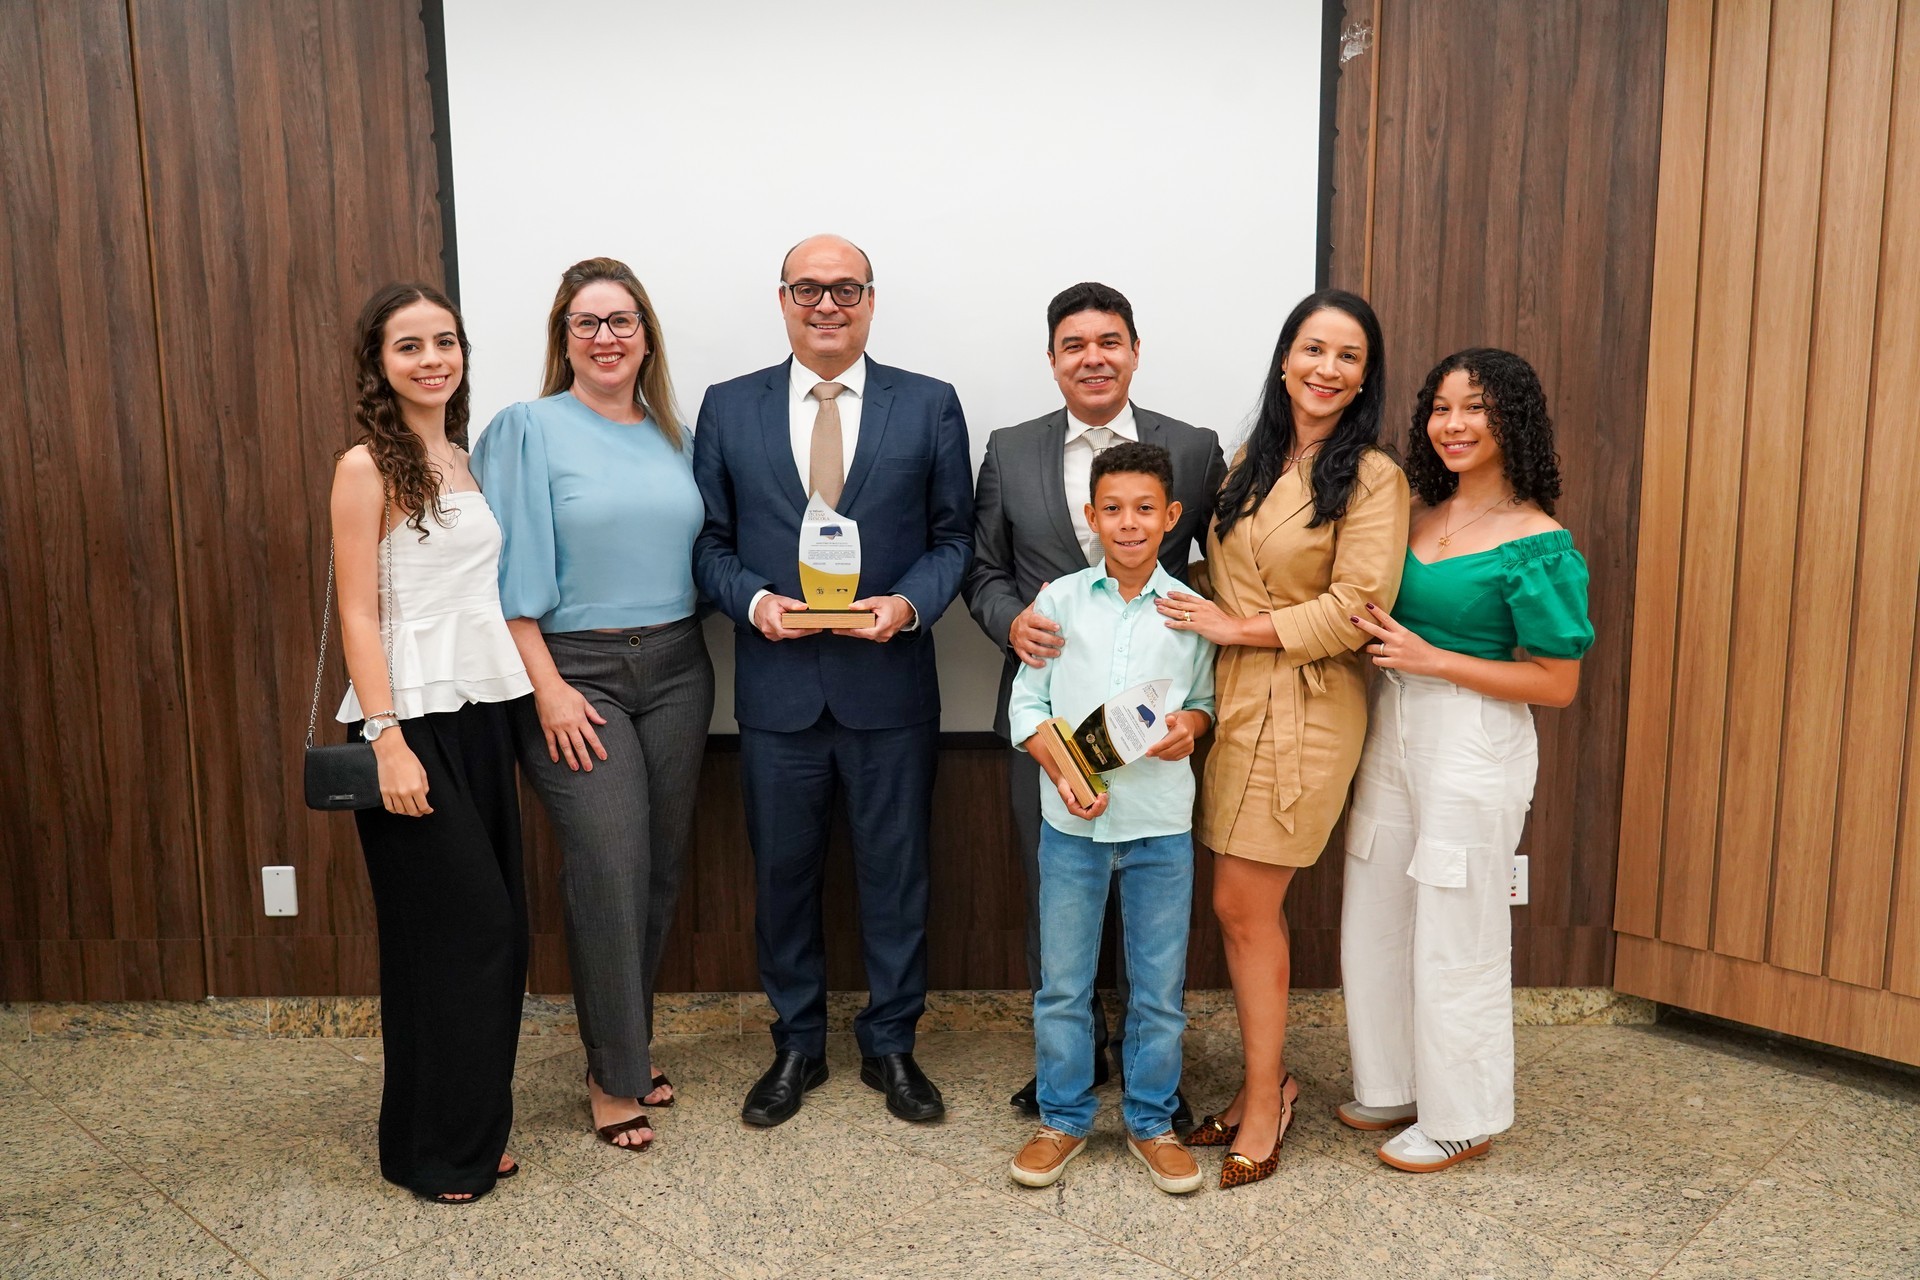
point(654, 390)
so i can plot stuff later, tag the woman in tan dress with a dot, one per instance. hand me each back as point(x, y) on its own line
point(1311, 524)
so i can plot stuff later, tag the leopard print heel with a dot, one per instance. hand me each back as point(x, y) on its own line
point(1211, 1133)
point(1239, 1170)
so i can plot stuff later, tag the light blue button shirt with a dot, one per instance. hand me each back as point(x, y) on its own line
point(1112, 645)
point(598, 517)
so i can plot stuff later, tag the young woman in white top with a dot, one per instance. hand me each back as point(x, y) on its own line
point(433, 673)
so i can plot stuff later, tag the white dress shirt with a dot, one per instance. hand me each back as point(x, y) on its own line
point(1077, 464)
point(802, 408)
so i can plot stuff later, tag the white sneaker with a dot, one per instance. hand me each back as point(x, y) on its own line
point(1358, 1115)
point(1414, 1151)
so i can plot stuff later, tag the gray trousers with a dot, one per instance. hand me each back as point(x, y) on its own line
point(1024, 780)
point(624, 827)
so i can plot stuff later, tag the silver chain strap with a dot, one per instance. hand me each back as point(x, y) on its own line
point(326, 616)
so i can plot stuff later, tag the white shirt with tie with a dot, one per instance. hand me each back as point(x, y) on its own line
point(802, 409)
point(1083, 442)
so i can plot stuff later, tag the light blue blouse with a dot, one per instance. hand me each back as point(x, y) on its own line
point(598, 517)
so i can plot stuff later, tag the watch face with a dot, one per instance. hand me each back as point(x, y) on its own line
point(371, 729)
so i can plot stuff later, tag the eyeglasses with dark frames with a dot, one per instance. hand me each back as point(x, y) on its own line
point(586, 325)
point(845, 293)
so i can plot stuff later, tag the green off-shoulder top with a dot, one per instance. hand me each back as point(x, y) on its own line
point(1530, 593)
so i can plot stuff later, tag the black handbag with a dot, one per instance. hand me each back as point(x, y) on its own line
point(345, 776)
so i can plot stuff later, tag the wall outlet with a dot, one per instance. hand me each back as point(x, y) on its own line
point(1516, 891)
point(278, 892)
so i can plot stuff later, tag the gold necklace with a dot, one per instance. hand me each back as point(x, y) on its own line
point(1446, 534)
point(1293, 458)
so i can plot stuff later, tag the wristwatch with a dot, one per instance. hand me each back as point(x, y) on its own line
point(375, 725)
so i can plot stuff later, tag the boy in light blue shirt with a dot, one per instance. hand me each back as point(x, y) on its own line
point(1137, 834)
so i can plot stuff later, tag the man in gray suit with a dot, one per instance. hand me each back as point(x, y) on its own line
point(1030, 527)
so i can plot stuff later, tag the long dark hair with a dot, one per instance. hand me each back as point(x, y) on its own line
point(1273, 440)
point(1517, 412)
point(397, 451)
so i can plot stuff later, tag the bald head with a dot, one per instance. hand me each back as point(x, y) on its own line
point(836, 242)
point(827, 336)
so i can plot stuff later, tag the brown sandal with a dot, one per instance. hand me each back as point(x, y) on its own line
point(609, 1132)
point(660, 1082)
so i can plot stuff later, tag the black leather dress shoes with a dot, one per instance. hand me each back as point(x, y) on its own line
point(910, 1095)
point(776, 1095)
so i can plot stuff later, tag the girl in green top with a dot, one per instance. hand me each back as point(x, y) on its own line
point(1491, 617)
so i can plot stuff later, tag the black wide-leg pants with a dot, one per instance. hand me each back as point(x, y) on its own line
point(450, 897)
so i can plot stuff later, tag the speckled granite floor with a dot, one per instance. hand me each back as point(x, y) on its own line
point(1665, 1150)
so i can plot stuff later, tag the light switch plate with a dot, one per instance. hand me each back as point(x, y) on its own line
point(278, 892)
point(1517, 891)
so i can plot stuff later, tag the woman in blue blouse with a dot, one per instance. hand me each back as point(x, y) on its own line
point(1492, 616)
point(594, 488)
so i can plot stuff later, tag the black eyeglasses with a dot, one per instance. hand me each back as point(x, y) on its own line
point(846, 293)
point(585, 324)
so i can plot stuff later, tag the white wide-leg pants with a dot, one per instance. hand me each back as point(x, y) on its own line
point(1425, 937)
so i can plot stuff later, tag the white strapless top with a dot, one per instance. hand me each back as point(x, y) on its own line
point(450, 640)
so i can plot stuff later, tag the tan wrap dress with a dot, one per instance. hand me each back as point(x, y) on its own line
point(1291, 721)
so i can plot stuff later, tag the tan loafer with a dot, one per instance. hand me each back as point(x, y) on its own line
point(1044, 1158)
point(1172, 1168)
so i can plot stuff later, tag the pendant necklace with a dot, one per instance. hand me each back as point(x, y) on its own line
point(1446, 536)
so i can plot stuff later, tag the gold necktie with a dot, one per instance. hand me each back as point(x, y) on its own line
point(826, 466)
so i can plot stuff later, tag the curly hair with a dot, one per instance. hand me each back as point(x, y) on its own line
point(401, 455)
point(653, 391)
point(1517, 412)
point(1131, 458)
point(1337, 468)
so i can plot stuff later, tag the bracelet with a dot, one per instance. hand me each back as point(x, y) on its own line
point(394, 716)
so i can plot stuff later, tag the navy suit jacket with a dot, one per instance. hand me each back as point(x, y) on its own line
point(910, 489)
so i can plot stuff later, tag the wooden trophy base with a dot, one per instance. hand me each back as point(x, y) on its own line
point(1057, 741)
point(827, 619)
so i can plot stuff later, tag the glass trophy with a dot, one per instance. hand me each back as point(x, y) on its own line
point(1117, 732)
point(829, 572)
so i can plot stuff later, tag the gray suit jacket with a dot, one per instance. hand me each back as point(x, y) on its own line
point(1023, 533)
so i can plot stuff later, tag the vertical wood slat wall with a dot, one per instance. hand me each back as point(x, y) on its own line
point(98, 886)
point(1770, 845)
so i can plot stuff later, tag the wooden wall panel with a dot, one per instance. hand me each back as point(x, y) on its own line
point(1735, 128)
point(1897, 339)
point(1776, 399)
point(98, 871)
point(1786, 895)
point(1663, 473)
point(1836, 418)
point(292, 171)
point(1880, 409)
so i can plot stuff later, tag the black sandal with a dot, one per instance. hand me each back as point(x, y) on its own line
point(660, 1082)
point(609, 1132)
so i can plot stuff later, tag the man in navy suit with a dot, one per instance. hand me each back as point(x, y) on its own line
point(856, 710)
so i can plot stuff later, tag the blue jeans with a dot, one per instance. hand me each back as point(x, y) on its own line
point(1155, 876)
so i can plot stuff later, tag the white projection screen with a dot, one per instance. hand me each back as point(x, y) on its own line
point(986, 154)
